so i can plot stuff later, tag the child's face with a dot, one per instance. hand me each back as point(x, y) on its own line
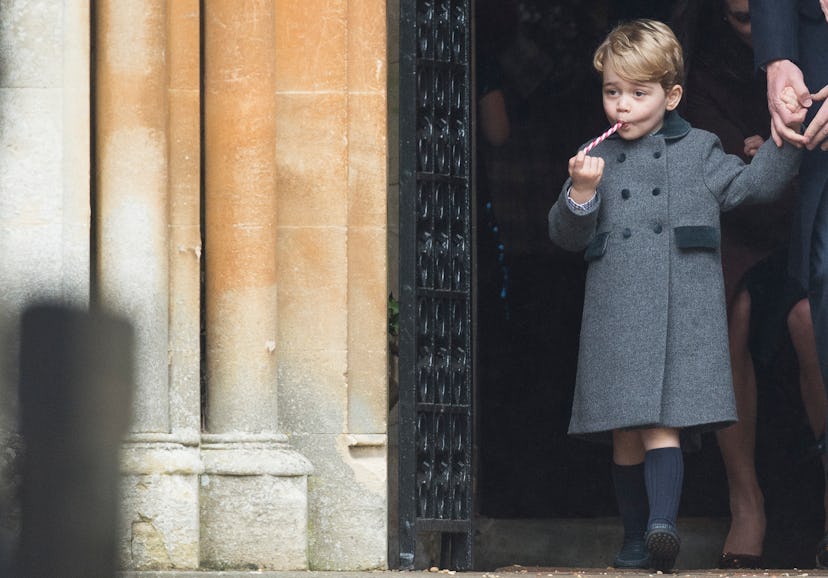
point(640, 106)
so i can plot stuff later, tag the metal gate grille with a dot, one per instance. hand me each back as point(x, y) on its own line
point(435, 277)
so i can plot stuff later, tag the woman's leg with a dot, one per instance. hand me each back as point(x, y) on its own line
point(737, 444)
point(801, 328)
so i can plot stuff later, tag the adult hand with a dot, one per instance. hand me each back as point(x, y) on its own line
point(783, 74)
point(824, 4)
point(817, 132)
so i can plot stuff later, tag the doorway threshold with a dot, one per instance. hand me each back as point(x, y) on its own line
point(567, 543)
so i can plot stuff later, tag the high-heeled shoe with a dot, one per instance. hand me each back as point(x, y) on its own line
point(731, 561)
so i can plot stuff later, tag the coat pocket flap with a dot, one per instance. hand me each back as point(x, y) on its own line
point(697, 237)
point(597, 247)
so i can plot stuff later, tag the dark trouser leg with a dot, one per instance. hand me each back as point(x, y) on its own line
point(818, 295)
point(818, 281)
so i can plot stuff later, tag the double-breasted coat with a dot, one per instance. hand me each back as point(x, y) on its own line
point(654, 345)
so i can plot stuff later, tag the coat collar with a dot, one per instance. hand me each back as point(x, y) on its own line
point(674, 126)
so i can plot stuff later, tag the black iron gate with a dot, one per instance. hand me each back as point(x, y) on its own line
point(435, 377)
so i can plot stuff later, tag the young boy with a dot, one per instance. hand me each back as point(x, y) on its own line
point(645, 207)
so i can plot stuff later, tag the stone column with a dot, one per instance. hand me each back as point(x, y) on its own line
point(44, 191)
point(147, 261)
point(240, 203)
point(132, 151)
point(184, 130)
point(254, 490)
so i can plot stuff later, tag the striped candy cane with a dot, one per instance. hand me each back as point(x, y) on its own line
point(602, 138)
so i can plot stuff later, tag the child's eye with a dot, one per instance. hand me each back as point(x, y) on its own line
point(640, 93)
point(610, 92)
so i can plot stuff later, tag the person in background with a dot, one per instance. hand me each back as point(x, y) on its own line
point(726, 97)
point(790, 41)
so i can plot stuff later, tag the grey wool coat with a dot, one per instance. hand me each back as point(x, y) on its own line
point(654, 344)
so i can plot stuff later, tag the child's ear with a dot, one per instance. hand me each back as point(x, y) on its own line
point(674, 96)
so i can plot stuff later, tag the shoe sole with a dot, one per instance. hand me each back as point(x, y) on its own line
point(642, 564)
point(663, 548)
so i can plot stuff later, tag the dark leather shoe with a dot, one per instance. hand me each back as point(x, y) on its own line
point(633, 554)
point(663, 544)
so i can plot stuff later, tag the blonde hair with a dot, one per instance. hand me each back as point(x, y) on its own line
point(643, 51)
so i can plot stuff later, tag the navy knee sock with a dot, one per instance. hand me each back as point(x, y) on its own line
point(664, 474)
point(631, 495)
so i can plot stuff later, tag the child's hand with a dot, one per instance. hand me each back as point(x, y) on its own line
point(788, 97)
point(752, 144)
point(586, 173)
point(791, 102)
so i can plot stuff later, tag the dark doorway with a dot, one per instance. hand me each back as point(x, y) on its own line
point(537, 54)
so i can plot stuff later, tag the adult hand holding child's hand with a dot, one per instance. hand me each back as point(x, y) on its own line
point(785, 83)
point(817, 131)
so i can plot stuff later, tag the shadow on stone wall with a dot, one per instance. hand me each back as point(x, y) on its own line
point(75, 387)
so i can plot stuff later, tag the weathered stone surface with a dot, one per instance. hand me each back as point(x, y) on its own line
point(159, 506)
point(347, 501)
point(31, 35)
point(160, 522)
point(254, 507)
point(254, 522)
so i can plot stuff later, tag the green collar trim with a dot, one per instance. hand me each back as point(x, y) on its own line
point(674, 126)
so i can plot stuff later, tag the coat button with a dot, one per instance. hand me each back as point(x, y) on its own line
point(657, 155)
point(657, 229)
point(622, 157)
point(656, 192)
point(625, 194)
point(626, 233)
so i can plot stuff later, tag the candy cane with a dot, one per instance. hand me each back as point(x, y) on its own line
point(602, 138)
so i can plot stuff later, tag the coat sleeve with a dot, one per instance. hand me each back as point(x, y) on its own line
point(762, 180)
point(569, 230)
point(775, 30)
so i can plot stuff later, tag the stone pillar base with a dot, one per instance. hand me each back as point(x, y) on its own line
point(254, 503)
point(159, 503)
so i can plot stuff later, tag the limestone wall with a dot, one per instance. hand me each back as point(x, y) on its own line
point(331, 148)
point(238, 216)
